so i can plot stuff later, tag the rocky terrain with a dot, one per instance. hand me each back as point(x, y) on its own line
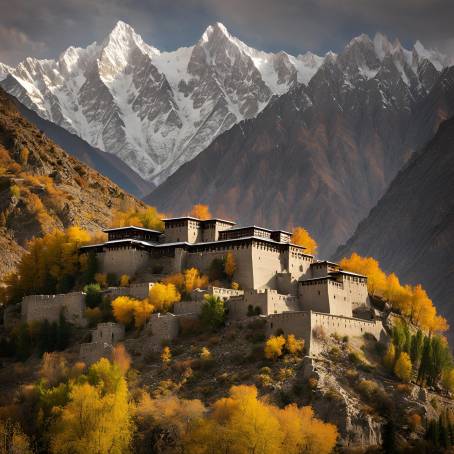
point(155, 110)
point(411, 230)
point(43, 188)
point(320, 155)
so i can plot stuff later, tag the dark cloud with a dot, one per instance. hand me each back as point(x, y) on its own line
point(46, 27)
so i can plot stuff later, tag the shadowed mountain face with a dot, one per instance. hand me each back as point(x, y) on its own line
point(319, 156)
point(42, 188)
point(411, 230)
point(106, 163)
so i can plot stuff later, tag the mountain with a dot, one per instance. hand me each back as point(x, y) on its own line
point(411, 230)
point(320, 155)
point(43, 188)
point(106, 163)
point(156, 110)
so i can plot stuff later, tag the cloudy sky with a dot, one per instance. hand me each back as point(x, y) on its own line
point(44, 28)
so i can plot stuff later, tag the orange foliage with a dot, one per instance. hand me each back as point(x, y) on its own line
point(301, 237)
point(148, 218)
point(187, 281)
point(412, 302)
point(163, 297)
point(200, 211)
point(242, 423)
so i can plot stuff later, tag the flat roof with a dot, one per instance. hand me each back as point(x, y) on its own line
point(192, 218)
point(258, 228)
point(142, 229)
point(185, 243)
point(348, 273)
point(318, 262)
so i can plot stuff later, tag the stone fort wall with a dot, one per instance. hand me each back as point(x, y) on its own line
point(268, 301)
point(49, 307)
point(123, 260)
point(304, 325)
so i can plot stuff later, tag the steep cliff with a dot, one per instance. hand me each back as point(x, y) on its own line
point(411, 230)
point(43, 188)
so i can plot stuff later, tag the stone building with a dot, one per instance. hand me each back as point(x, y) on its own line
point(278, 280)
point(49, 307)
point(103, 340)
point(261, 255)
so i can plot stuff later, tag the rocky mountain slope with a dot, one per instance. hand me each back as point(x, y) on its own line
point(106, 163)
point(155, 110)
point(320, 155)
point(43, 188)
point(411, 230)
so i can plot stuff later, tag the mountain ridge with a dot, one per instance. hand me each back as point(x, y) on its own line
point(156, 110)
point(411, 229)
point(320, 155)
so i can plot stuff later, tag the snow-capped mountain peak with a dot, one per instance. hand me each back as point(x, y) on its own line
point(157, 110)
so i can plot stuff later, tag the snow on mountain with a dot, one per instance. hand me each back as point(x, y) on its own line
point(4, 70)
point(157, 110)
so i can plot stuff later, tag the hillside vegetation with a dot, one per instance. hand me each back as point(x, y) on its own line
point(42, 188)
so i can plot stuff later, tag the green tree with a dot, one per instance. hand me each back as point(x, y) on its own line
point(417, 343)
point(425, 366)
point(93, 295)
point(213, 312)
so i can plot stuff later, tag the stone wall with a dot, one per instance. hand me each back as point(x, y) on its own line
point(188, 307)
point(220, 292)
point(123, 260)
point(91, 352)
point(108, 332)
point(243, 258)
point(163, 326)
point(306, 324)
point(266, 301)
point(49, 307)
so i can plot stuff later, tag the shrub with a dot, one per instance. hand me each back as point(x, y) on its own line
point(93, 315)
point(15, 191)
point(274, 346)
point(294, 345)
point(403, 367)
point(93, 295)
point(285, 373)
point(124, 280)
point(166, 355)
point(205, 354)
point(213, 312)
point(319, 333)
point(264, 380)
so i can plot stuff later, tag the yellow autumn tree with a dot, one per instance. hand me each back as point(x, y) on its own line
point(200, 211)
point(148, 218)
point(97, 417)
point(163, 296)
point(240, 423)
point(142, 312)
point(403, 367)
point(302, 237)
point(230, 265)
point(294, 345)
point(412, 302)
point(274, 346)
point(187, 281)
point(126, 310)
point(123, 308)
point(304, 433)
point(50, 265)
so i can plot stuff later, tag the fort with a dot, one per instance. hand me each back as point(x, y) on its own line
point(279, 281)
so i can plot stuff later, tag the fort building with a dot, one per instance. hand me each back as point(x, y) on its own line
point(278, 280)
